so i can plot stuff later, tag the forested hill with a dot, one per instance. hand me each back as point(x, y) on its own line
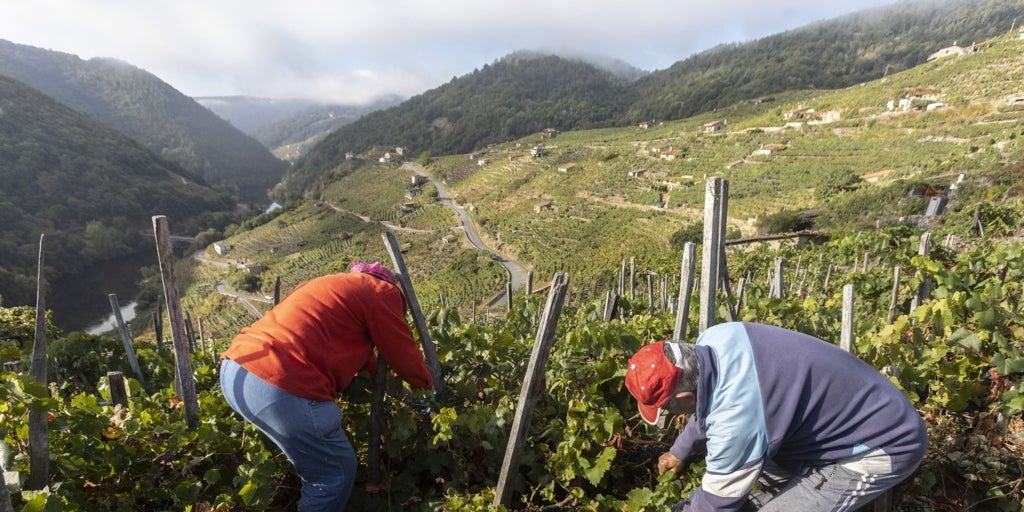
point(517, 96)
point(827, 55)
point(87, 187)
point(146, 109)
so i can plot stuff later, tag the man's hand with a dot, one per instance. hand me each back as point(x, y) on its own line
point(667, 461)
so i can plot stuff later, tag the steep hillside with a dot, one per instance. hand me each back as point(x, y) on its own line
point(89, 189)
point(143, 107)
point(879, 154)
point(520, 95)
point(251, 114)
point(517, 95)
point(288, 127)
point(825, 55)
point(292, 137)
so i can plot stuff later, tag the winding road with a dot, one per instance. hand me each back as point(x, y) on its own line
point(517, 275)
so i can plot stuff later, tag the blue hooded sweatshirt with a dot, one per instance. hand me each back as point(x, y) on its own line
point(771, 394)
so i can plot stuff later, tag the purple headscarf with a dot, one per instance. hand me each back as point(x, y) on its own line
point(374, 269)
point(379, 271)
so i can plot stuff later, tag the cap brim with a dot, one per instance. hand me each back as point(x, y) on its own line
point(649, 413)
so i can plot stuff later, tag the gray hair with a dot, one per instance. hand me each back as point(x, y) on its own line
point(684, 356)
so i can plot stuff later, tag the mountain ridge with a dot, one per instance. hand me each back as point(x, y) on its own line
point(145, 108)
point(87, 187)
point(453, 118)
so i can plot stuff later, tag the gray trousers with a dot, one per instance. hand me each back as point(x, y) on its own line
point(844, 486)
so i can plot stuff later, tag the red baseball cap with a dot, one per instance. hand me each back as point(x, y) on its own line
point(651, 378)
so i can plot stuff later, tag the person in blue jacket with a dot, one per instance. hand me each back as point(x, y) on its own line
point(783, 420)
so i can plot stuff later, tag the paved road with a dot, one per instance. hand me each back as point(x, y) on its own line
point(516, 273)
point(246, 299)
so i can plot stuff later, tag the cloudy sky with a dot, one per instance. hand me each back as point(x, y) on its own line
point(348, 51)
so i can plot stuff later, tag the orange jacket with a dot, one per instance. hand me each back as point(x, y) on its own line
point(314, 341)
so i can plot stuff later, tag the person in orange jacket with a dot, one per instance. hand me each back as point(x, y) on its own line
point(283, 372)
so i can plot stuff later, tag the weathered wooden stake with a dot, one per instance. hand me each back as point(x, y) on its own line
point(610, 300)
point(38, 426)
point(779, 282)
point(374, 474)
point(190, 333)
point(402, 274)
point(158, 324)
point(685, 289)
point(5, 495)
point(202, 337)
point(741, 294)
point(846, 325)
point(894, 300)
point(650, 294)
point(532, 388)
point(663, 293)
point(277, 290)
point(622, 278)
point(508, 296)
point(185, 384)
point(632, 278)
point(118, 392)
point(924, 290)
point(710, 259)
point(529, 283)
point(126, 339)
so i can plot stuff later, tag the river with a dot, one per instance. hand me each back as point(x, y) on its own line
point(81, 302)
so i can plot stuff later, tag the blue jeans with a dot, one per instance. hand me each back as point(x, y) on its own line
point(309, 432)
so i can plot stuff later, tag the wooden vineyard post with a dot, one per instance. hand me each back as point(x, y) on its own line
point(185, 383)
point(924, 290)
point(158, 326)
point(650, 293)
point(895, 295)
point(610, 300)
point(622, 279)
point(38, 426)
point(723, 269)
point(529, 283)
point(685, 290)
point(532, 387)
point(433, 364)
point(663, 293)
point(118, 393)
point(632, 278)
point(202, 337)
point(710, 259)
point(374, 474)
point(778, 282)
point(133, 360)
point(846, 324)
point(277, 290)
point(5, 495)
point(190, 333)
